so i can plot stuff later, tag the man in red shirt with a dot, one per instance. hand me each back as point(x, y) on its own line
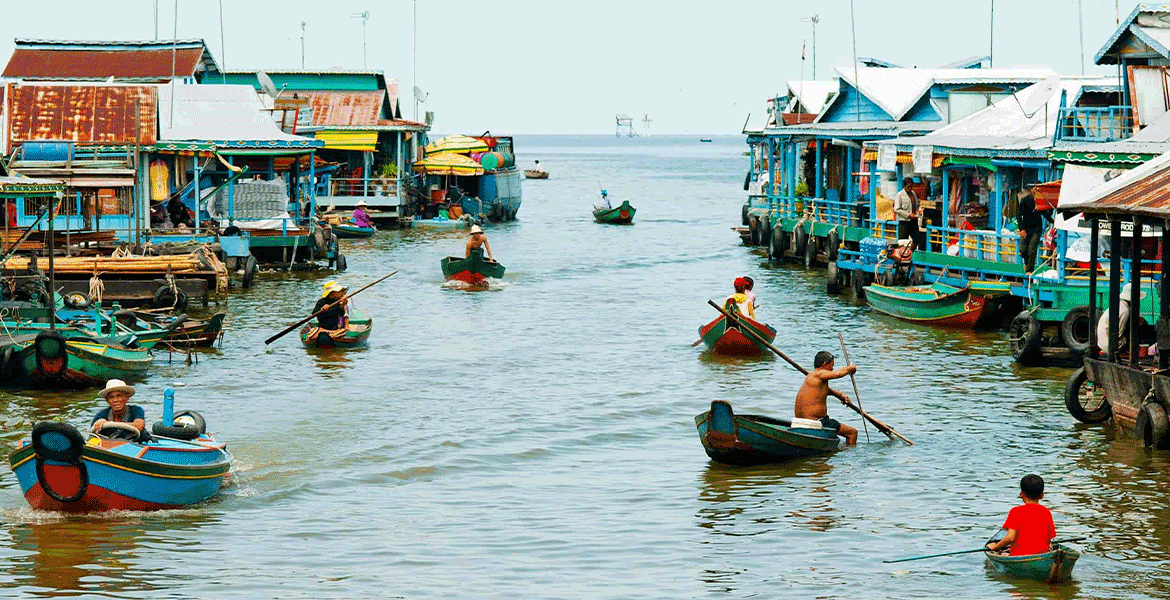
point(10, 212)
point(1029, 526)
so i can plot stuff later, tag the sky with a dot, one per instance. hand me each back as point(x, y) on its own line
point(541, 67)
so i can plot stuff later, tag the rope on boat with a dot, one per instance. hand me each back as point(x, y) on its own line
point(96, 287)
point(293, 257)
point(170, 278)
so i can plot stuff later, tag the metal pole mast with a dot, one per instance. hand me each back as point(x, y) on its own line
point(303, 45)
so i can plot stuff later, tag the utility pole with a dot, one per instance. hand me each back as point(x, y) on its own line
point(156, 20)
point(414, 58)
point(364, 16)
point(303, 45)
point(991, 34)
point(814, 20)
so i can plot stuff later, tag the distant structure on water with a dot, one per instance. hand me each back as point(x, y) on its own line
point(625, 124)
point(646, 125)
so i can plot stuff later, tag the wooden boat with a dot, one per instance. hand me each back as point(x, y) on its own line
point(754, 439)
point(730, 341)
point(1054, 566)
point(473, 270)
point(63, 469)
point(620, 215)
point(936, 304)
point(534, 174)
point(50, 359)
point(349, 230)
point(355, 334)
point(441, 222)
point(180, 330)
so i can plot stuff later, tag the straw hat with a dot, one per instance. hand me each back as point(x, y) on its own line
point(362, 203)
point(475, 229)
point(116, 385)
point(1127, 291)
point(331, 287)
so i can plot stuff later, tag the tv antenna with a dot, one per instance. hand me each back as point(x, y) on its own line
point(814, 20)
point(303, 45)
point(364, 16)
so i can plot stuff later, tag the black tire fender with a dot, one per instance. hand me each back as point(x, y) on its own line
point(765, 231)
point(1074, 329)
point(1072, 400)
point(57, 441)
point(779, 241)
point(832, 245)
point(76, 300)
point(810, 252)
point(341, 262)
point(755, 231)
point(176, 432)
point(1024, 337)
point(176, 322)
point(799, 239)
point(744, 214)
point(832, 279)
point(857, 283)
point(83, 475)
point(6, 364)
point(320, 241)
point(126, 317)
point(1152, 425)
point(199, 422)
point(250, 270)
point(165, 298)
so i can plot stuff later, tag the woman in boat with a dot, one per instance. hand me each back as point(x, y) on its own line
point(117, 395)
point(742, 301)
point(337, 315)
point(1029, 526)
point(478, 241)
point(361, 218)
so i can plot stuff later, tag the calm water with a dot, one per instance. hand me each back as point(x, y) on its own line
point(538, 441)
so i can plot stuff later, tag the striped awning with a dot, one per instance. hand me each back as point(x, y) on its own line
point(337, 139)
point(185, 148)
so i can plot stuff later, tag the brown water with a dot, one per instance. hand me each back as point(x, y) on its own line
point(538, 440)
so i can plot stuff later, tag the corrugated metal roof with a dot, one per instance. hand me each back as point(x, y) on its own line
point(1144, 190)
point(332, 108)
point(149, 61)
point(95, 114)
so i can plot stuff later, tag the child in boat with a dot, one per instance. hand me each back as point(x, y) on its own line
point(742, 301)
point(751, 285)
point(1029, 526)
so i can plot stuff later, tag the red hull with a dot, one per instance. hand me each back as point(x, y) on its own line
point(65, 479)
point(469, 278)
point(734, 343)
point(969, 318)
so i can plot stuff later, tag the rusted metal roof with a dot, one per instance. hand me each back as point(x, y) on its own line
point(1143, 191)
point(93, 114)
point(344, 108)
point(98, 61)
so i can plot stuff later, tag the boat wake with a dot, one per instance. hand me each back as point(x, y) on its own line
point(491, 285)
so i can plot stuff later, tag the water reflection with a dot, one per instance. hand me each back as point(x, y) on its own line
point(753, 492)
point(79, 555)
point(332, 361)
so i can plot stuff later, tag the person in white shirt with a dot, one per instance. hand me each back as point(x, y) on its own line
point(1122, 322)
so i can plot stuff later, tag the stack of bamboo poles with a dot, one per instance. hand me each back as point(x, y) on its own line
point(201, 262)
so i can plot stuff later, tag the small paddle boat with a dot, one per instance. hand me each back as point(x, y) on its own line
point(725, 338)
point(355, 333)
point(50, 358)
point(63, 469)
point(182, 331)
point(534, 174)
point(619, 215)
point(350, 230)
point(474, 270)
point(936, 304)
point(1054, 566)
point(754, 439)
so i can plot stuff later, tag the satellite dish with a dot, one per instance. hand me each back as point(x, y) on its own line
point(266, 83)
point(419, 94)
point(1039, 94)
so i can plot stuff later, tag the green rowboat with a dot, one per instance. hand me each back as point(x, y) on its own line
point(473, 270)
point(1054, 566)
point(355, 334)
point(620, 215)
point(51, 359)
point(936, 304)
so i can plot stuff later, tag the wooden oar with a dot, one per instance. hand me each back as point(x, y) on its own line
point(882, 427)
point(981, 549)
point(853, 378)
point(323, 309)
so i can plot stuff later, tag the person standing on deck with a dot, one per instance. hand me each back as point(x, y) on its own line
point(1029, 526)
point(478, 242)
point(337, 315)
point(1030, 224)
point(361, 218)
point(812, 399)
point(743, 302)
point(906, 209)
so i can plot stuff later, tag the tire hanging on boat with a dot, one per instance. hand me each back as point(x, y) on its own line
point(779, 241)
point(765, 232)
point(832, 279)
point(1074, 329)
point(799, 239)
point(1072, 400)
point(250, 270)
point(1152, 425)
point(76, 300)
point(176, 300)
point(810, 252)
point(832, 245)
point(1024, 337)
point(857, 283)
point(57, 441)
point(755, 231)
point(744, 213)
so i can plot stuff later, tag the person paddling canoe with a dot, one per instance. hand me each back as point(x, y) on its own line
point(478, 241)
point(337, 316)
point(1029, 526)
point(812, 399)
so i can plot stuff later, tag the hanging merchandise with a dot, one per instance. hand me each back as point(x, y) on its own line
point(160, 177)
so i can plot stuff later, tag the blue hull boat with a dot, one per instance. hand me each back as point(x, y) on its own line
point(755, 439)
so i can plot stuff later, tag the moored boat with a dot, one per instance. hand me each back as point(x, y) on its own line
point(616, 215)
point(534, 174)
point(936, 304)
point(726, 338)
point(1054, 566)
point(473, 270)
point(755, 439)
point(51, 359)
point(63, 469)
point(355, 334)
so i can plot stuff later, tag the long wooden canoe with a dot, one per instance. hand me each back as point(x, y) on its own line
point(473, 270)
point(355, 334)
point(755, 439)
point(936, 304)
point(1054, 566)
point(730, 341)
point(618, 215)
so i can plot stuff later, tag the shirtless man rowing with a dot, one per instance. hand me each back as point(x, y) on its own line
point(811, 400)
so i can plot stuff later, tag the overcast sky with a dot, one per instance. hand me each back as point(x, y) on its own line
point(528, 66)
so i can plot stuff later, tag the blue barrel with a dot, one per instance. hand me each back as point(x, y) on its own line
point(52, 151)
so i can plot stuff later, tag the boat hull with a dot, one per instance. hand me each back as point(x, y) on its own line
point(937, 305)
point(1052, 567)
point(730, 341)
point(533, 174)
point(353, 231)
point(86, 363)
point(752, 439)
point(474, 270)
point(120, 475)
point(618, 215)
point(353, 336)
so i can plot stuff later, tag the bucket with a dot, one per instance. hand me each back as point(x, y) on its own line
point(491, 160)
point(438, 195)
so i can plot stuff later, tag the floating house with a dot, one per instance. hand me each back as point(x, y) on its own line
point(368, 147)
point(157, 61)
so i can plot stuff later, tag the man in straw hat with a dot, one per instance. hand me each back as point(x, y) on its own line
point(478, 241)
point(1123, 309)
point(117, 395)
point(361, 218)
point(337, 316)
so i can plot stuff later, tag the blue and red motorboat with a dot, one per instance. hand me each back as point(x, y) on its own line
point(63, 469)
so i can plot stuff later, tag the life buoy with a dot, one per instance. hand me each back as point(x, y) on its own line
point(1152, 425)
point(165, 298)
point(1074, 402)
point(1075, 328)
point(832, 245)
point(1024, 337)
point(57, 441)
